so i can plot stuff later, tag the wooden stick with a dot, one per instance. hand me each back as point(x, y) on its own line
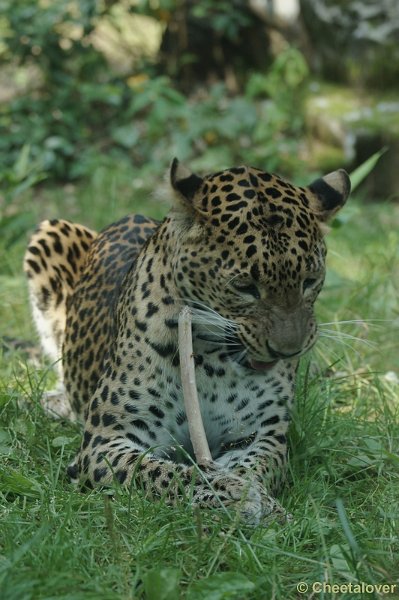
point(190, 395)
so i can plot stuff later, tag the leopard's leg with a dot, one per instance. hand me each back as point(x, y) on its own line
point(265, 461)
point(103, 461)
point(53, 263)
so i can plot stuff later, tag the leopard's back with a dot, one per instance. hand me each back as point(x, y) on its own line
point(74, 277)
point(91, 311)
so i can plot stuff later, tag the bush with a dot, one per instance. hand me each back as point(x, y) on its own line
point(79, 109)
point(76, 99)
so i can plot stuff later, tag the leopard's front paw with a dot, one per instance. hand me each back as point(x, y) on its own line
point(272, 510)
point(246, 495)
point(232, 492)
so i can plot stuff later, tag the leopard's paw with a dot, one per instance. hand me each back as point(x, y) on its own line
point(56, 404)
point(226, 490)
point(273, 511)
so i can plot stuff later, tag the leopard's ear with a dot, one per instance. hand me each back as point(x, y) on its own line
point(183, 181)
point(330, 194)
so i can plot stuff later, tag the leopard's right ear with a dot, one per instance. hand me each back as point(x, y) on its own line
point(184, 182)
point(330, 194)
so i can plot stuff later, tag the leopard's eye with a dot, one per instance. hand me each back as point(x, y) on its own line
point(250, 289)
point(308, 283)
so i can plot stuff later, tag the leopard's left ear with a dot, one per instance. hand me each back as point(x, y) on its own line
point(183, 181)
point(330, 194)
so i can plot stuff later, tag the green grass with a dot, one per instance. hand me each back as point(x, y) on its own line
point(343, 478)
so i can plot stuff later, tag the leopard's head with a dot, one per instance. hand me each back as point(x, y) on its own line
point(250, 246)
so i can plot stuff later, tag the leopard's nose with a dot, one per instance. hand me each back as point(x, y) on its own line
point(289, 332)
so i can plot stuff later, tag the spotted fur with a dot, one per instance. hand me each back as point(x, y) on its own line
point(245, 250)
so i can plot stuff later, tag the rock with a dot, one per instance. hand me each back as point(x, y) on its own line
point(347, 128)
point(353, 40)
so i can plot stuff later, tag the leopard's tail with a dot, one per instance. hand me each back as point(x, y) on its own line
point(53, 263)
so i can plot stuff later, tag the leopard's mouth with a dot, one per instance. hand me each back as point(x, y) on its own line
point(240, 354)
point(237, 352)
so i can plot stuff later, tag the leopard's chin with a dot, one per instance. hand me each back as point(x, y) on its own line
point(259, 365)
point(255, 365)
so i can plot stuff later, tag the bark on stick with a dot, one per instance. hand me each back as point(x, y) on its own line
point(190, 395)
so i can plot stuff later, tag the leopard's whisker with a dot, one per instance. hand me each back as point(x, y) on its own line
point(344, 343)
point(243, 354)
point(356, 322)
point(222, 342)
point(331, 352)
point(339, 336)
point(207, 310)
point(324, 342)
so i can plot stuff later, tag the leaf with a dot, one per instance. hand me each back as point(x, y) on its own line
point(62, 440)
point(5, 442)
point(162, 584)
point(12, 227)
point(339, 561)
point(57, 142)
point(20, 551)
point(127, 135)
point(392, 457)
point(221, 586)
point(362, 461)
point(21, 167)
point(12, 482)
point(371, 455)
point(375, 445)
point(346, 527)
point(361, 172)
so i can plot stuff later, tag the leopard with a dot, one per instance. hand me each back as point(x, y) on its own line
point(245, 250)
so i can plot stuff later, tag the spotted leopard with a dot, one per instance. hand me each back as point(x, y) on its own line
point(245, 250)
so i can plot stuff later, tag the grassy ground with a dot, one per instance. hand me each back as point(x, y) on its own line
point(344, 467)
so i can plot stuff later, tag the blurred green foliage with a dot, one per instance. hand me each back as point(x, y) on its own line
point(75, 99)
point(15, 181)
point(78, 108)
point(225, 17)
